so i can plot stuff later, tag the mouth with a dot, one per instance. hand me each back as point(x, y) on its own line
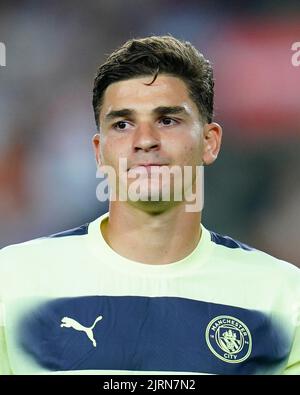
point(148, 166)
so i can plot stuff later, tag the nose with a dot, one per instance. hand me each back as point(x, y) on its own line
point(146, 138)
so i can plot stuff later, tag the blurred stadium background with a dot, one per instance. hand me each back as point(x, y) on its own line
point(47, 170)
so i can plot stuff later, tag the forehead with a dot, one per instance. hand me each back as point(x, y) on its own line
point(133, 93)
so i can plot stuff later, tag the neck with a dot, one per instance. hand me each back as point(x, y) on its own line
point(153, 238)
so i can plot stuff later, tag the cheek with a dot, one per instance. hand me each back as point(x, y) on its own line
point(195, 149)
point(189, 152)
point(187, 146)
point(113, 150)
point(193, 155)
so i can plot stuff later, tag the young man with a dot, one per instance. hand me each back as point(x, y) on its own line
point(146, 288)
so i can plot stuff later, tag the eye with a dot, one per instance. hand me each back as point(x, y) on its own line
point(168, 121)
point(121, 125)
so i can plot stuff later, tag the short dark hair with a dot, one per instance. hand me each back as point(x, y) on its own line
point(158, 55)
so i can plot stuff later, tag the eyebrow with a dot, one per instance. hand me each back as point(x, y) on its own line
point(161, 110)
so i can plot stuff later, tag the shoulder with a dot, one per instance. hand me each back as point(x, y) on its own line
point(266, 279)
point(229, 249)
point(43, 247)
point(38, 266)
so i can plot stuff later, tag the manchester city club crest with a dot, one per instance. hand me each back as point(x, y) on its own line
point(229, 339)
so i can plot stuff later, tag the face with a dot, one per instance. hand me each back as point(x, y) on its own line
point(150, 126)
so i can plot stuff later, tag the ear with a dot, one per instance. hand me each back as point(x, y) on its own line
point(97, 151)
point(212, 135)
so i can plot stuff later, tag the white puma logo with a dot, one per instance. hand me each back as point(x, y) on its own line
point(71, 323)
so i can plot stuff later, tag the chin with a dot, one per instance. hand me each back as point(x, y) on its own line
point(153, 207)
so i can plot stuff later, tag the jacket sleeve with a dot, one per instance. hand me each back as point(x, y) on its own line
point(4, 360)
point(293, 365)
